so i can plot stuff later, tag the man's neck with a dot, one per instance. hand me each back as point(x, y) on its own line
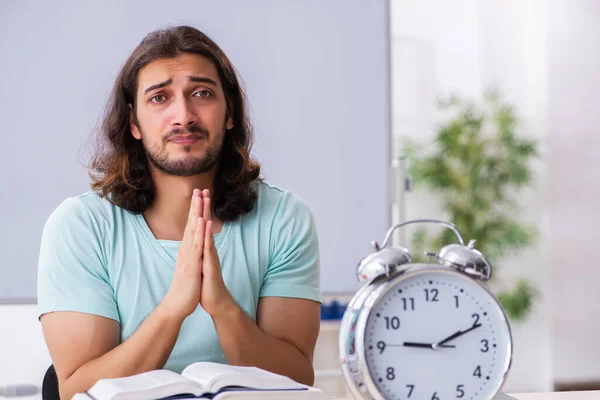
point(168, 214)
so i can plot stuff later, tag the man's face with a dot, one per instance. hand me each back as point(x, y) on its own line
point(181, 114)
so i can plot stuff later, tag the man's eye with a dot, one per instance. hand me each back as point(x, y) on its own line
point(203, 93)
point(159, 98)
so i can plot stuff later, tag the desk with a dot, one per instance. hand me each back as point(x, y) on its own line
point(583, 395)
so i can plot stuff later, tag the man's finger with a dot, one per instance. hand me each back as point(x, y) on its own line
point(206, 210)
point(198, 244)
point(190, 228)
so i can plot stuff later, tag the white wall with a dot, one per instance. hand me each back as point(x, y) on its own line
point(462, 47)
point(23, 354)
point(574, 123)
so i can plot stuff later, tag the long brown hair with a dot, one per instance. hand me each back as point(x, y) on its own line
point(119, 167)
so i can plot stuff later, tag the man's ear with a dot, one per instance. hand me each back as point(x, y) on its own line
point(132, 125)
point(229, 121)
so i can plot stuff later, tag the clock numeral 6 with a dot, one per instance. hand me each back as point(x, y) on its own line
point(459, 391)
point(393, 322)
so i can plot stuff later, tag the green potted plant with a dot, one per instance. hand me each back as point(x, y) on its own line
point(477, 165)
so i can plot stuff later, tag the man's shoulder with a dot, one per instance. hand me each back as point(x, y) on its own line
point(271, 197)
point(86, 208)
point(277, 202)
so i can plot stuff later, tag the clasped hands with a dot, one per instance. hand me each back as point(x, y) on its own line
point(197, 277)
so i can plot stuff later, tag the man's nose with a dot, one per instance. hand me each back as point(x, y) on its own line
point(184, 114)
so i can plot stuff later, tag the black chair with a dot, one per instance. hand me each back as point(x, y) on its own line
point(50, 385)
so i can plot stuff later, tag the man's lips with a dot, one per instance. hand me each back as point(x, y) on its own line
point(185, 140)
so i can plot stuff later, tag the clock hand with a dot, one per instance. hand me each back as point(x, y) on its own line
point(424, 345)
point(455, 335)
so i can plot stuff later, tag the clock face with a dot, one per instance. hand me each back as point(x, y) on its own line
point(437, 335)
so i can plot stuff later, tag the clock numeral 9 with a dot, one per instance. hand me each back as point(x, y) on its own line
point(390, 374)
point(410, 389)
point(434, 397)
point(431, 295)
point(393, 322)
point(381, 346)
point(485, 344)
point(459, 391)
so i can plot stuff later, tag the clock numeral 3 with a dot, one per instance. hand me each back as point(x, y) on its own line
point(485, 344)
point(390, 374)
point(431, 294)
point(459, 391)
point(410, 389)
point(393, 322)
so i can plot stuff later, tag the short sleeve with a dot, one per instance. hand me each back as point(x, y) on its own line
point(72, 274)
point(294, 269)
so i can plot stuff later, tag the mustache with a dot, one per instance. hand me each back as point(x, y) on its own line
point(193, 130)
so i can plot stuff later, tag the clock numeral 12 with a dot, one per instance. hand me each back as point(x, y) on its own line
point(434, 294)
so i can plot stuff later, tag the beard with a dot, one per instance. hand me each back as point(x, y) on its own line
point(188, 165)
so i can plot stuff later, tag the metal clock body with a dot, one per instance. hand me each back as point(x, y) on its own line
point(425, 331)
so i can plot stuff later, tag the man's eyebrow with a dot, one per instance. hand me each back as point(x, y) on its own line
point(158, 85)
point(202, 79)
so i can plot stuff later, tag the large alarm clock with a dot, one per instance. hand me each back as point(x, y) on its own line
point(425, 331)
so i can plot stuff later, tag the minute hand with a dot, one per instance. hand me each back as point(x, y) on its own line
point(457, 334)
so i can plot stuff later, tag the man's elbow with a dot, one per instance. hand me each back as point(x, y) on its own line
point(307, 375)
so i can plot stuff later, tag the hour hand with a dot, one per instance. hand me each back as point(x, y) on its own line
point(426, 345)
point(455, 335)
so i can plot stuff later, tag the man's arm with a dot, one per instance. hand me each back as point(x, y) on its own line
point(89, 349)
point(282, 341)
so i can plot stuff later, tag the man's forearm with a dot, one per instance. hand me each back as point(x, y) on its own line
point(148, 348)
point(244, 343)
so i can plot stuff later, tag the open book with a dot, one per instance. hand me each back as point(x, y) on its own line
point(200, 380)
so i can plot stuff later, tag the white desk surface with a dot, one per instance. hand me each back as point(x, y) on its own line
point(582, 395)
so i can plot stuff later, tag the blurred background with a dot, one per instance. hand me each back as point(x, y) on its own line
point(483, 113)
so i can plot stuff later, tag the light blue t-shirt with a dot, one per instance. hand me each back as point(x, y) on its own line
point(100, 259)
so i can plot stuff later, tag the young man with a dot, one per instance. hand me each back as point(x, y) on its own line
point(180, 253)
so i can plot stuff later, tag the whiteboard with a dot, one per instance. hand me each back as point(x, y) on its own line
point(317, 77)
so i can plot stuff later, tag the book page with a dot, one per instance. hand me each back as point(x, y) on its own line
point(149, 385)
point(216, 376)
